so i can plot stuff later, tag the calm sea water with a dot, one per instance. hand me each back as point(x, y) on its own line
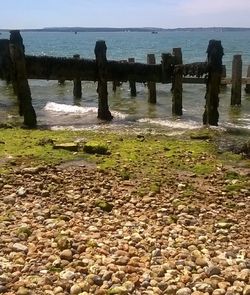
point(55, 105)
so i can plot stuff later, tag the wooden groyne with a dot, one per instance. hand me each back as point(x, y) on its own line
point(17, 68)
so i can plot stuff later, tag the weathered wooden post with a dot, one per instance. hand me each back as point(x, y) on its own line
point(177, 83)
point(223, 76)
point(132, 84)
point(61, 82)
point(20, 81)
point(5, 60)
point(77, 91)
point(102, 89)
point(247, 89)
point(151, 85)
point(115, 85)
point(236, 80)
point(167, 66)
point(215, 53)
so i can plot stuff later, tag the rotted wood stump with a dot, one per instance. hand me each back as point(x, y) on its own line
point(132, 84)
point(177, 83)
point(102, 89)
point(215, 53)
point(151, 85)
point(247, 89)
point(5, 61)
point(20, 81)
point(77, 91)
point(236, 80)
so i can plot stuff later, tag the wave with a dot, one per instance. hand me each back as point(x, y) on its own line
point(69, 109)
point(172, 124)
point(64, 108)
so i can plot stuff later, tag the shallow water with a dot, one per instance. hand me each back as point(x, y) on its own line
point(55, 105)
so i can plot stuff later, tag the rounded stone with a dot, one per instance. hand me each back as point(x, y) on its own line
point(201, 261)
point(219, 292)
point(184, 291)
point(75, 289)
point(67, 275)
point(213, 270)
point(66, 255)
point(246, 290)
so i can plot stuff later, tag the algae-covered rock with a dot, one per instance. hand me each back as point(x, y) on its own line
point(118, 290)
point(95, 148)
point(104, 205)
point(45, 141)
point(70, 146)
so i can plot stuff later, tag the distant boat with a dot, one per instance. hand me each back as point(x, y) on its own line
point(154, 32)
point(75, 32)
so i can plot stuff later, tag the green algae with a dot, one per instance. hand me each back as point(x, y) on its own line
point(128, 154)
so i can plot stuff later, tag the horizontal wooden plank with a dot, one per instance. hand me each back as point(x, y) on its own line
point(52, 68)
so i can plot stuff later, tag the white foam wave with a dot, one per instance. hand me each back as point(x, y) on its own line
point(64, 108)
point(237, 126)
point(172, 124)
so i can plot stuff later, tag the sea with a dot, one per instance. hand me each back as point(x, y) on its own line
point(56, 107)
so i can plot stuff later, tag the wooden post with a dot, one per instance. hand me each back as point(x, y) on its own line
point(61, 82)
point(21, 82)
point(151, 85)
point(5, 60)
point(214, 58)
point(247, 89)
point(77, 91)
point(115, 85)
point(177, 83)
point(167, 66)
point(236, 80)
point(102, 89)
point(132, 84)
point(223, 76)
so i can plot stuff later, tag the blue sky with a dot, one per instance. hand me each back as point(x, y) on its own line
point(124, 13)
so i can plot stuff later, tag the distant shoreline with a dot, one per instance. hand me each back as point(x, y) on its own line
point(146, 29)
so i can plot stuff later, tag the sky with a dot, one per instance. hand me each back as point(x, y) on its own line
point(23, 14)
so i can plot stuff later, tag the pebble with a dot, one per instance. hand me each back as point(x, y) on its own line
point(67, 275)
point(66, 254)
point(21, 192)
point(119, 290)
point(201, 261)
point(11, 199)
point(246, 290)
point(213, 270)
point(219, 292)
point(75, 289)
point(3, 289)
point(184, 291)
point(23, 291)
point(20, 247)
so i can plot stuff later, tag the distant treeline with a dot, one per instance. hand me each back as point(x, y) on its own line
point(146, 29)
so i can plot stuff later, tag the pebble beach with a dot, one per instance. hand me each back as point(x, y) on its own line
point(80, 230)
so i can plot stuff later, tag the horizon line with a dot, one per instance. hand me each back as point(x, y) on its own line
point(124, 28)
